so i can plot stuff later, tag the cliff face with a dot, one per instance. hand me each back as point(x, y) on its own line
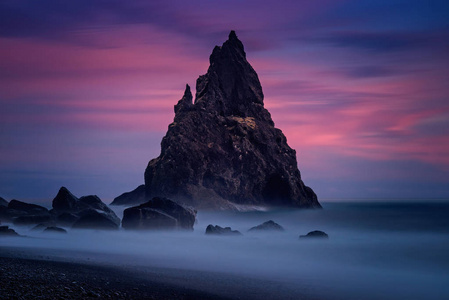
point(223, 147)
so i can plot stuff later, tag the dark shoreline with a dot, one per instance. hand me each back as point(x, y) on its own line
point(29, 274)
point(23, 278)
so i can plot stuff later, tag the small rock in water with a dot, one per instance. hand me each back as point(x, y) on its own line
point(268, 226)
point(6, 231)
point(39, 227)
point(315, 234)
point(159, 213)
point(217, 230)
point(55, 229)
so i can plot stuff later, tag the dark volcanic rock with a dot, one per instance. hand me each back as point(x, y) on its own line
point(92, 219)
point(85, 212)
point(39, 227)
point(55, 229)
point(217, 230)
point(223, 148)
point(6, 231)
point(3, 202)
point(134, 197)
point(66, 219)
point(159, 213)
point(16, 209)
point(315, 234)
point(95, 203)
point(65, 201)
point(32, 219)
point(27, 208)
point(267, 226)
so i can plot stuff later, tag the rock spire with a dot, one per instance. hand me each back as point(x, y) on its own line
point(222, 148)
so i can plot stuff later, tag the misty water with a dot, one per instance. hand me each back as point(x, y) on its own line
point(374, 251)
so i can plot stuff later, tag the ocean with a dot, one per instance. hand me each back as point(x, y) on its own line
point(375, 250)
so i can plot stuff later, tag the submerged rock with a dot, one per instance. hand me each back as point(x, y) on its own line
point(217, 230)
point(39, 227)
point(315, 234)
point(268, 226)
point(6, 231)
point(159, 213)
point(55, 229)
point(222, 148)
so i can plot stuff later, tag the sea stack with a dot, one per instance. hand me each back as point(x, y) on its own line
point(222, 149)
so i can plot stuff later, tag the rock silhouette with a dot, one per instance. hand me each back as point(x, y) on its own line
point(23, 213)
point(267, 226)
point(315, 234)
point(3, 202)
point(222, 148)
point(85, 212)
point(159, 213)
point(218, 230)
point(136, 196)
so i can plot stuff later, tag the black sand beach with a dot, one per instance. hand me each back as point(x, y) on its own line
point(28, 275)
point(45, 279)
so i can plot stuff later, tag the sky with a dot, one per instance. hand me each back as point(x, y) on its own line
point(359, 88)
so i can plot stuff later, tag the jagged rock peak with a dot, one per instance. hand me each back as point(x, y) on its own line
point(185, 103)
point(230, 86)
point(223, 150)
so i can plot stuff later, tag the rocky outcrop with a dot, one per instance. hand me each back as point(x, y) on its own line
point(93, 219)
point(6, 231)
point(54, 229)
point(23, 213)
point(159, 213)
point(217, 230)
point(222, 148)
point(32, 219)
point(3, 202)
point(85, 212)
point(136, 196)
point(315, 234)
point(267, 226)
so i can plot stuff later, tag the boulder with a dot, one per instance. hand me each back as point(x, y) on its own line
point(27, 208)
point(315, 234)
point(40, 227)
point(6, 231)
point(65, 201)
point(66, 219)
point(217, 230)
point(32, 219)
point(54, 229)
point(16, 209)
point(136, 196)
point(3, 202)
point(85, 212)
point(159, 213)
point(94, 202)
point(268, 226)
point(93, 219)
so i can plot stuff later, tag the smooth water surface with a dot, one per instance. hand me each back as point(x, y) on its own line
point(374, 250)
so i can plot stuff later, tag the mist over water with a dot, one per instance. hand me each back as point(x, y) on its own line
point(374, 251)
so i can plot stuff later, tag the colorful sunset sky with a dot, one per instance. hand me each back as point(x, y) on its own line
point(360, 88)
